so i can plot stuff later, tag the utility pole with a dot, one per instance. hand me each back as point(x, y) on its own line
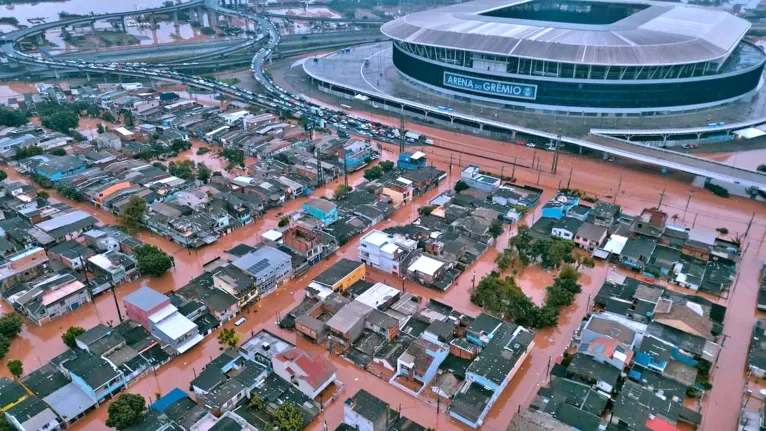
point(691, 192)
point(619, 184)
point(749, 224)
point(662, 196)
point(569, 181)
point(345, 170)
point(513, 172)
point(401, 132)
point(502, 171)
point(555, 164)
point(116, 304)
point(320, 174)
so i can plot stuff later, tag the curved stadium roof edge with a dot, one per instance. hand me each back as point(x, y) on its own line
point(658, 34)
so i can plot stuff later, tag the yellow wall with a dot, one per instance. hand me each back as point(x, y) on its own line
point(396, 197)
point(352, 278)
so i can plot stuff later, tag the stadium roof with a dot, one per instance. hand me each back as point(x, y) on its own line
point(658, 34)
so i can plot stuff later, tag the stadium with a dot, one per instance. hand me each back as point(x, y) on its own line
point(590, 57)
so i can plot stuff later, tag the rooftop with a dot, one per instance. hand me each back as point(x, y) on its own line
point(337, 272)
point(266, 344)
point(500, 355)
point(145, 298)
point(655, 33)
point(348, 316)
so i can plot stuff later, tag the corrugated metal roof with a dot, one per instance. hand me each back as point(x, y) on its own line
point(658, 35)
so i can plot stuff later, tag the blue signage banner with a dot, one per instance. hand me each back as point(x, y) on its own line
point(498, 88)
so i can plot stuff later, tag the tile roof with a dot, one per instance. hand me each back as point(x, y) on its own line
point(317, 369)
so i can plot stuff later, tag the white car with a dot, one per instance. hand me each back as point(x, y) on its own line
point(531, 145)
point(240, 321)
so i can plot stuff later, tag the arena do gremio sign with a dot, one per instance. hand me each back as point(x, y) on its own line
point(522, 91)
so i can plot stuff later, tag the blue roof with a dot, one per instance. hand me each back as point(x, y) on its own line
point(171, 397)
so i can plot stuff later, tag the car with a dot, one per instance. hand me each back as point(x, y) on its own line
point(685, 146)
point(531, 145)
point(240, 321)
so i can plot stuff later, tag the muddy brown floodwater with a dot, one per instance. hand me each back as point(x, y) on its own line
point(639, 187)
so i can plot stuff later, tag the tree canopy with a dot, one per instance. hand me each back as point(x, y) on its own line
point(16, 368)
point(341, 191)
point(288, 417)
point(12, 117)
point(203, 173)
point(152, 260)
point(228, 338)
point(132, 214)
point(70, 335)
point(125, 411)
point(182, 169)
point(461, 185)
point(373, 173)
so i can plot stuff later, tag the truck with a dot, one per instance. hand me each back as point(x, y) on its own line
point(412, 136)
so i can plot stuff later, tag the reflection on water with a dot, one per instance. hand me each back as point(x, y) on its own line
point(49, 11)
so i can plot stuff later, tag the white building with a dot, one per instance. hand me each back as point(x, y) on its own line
point(384, 252)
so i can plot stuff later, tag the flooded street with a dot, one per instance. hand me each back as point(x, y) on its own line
point(638, 188)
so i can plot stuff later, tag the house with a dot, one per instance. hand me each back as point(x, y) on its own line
point(637, 251)
point(347, 324)
point(33, 415)
point(340, 276)
point(489, 374)
point(11, 393)
point(366, 412)
point(599, 327)
point(608, 350)
point(354, 154)
point(483, 329)
point(421, 361)
point(558, 206)
point(322, 210)
point(236, 283)
point(472, 176)
point(604, 214)
point(67, 226)
point(756, 358)
point(216, 392)
point(304, 240)
point(263, 347)
point(22, 266)
point(653, 353)
point(592, 372)
point(116, 266)
point(590, 236)
point(157, 315)
point(651, 223)
point(55, 168)
point(194, 199)
point(268, 265)
point(49, 298)
point(222, 305)
point(399, 190)
point(311, 375)
point(426, 270)
point(93, 374)
point(566, 228)
point(382, 251)
point(411, 160)
point(637, 407)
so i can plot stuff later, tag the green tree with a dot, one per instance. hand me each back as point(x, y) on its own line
point(100, 128)
point(69, 337)
point(132, 214)
point(16, 368)
point(152, 260)
point(461, 185)
point(373, 173)
point(11, 324)
point(182, 169)
point(557, 296)
point(3, 175)
point(228, 338)
point(26, 152)
point(721, 230)
point(387, 166)
point(235, 158)
point(5, 425)
point(503, 260)
point(203, 173)
point(42, 194)
point(126, 411)
point(426, 210)
point(71, 193)
point(256, 402)
point(288, 417)
point(341, 191)
point(761, 168)
point(62, 120)
point(5, 345)
point(127, 118)
point(57, 152)
point(496, 228)
point(179, 145)
point(12, 117)
point(284, 221)
point(584, 261)
point(546, 317)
